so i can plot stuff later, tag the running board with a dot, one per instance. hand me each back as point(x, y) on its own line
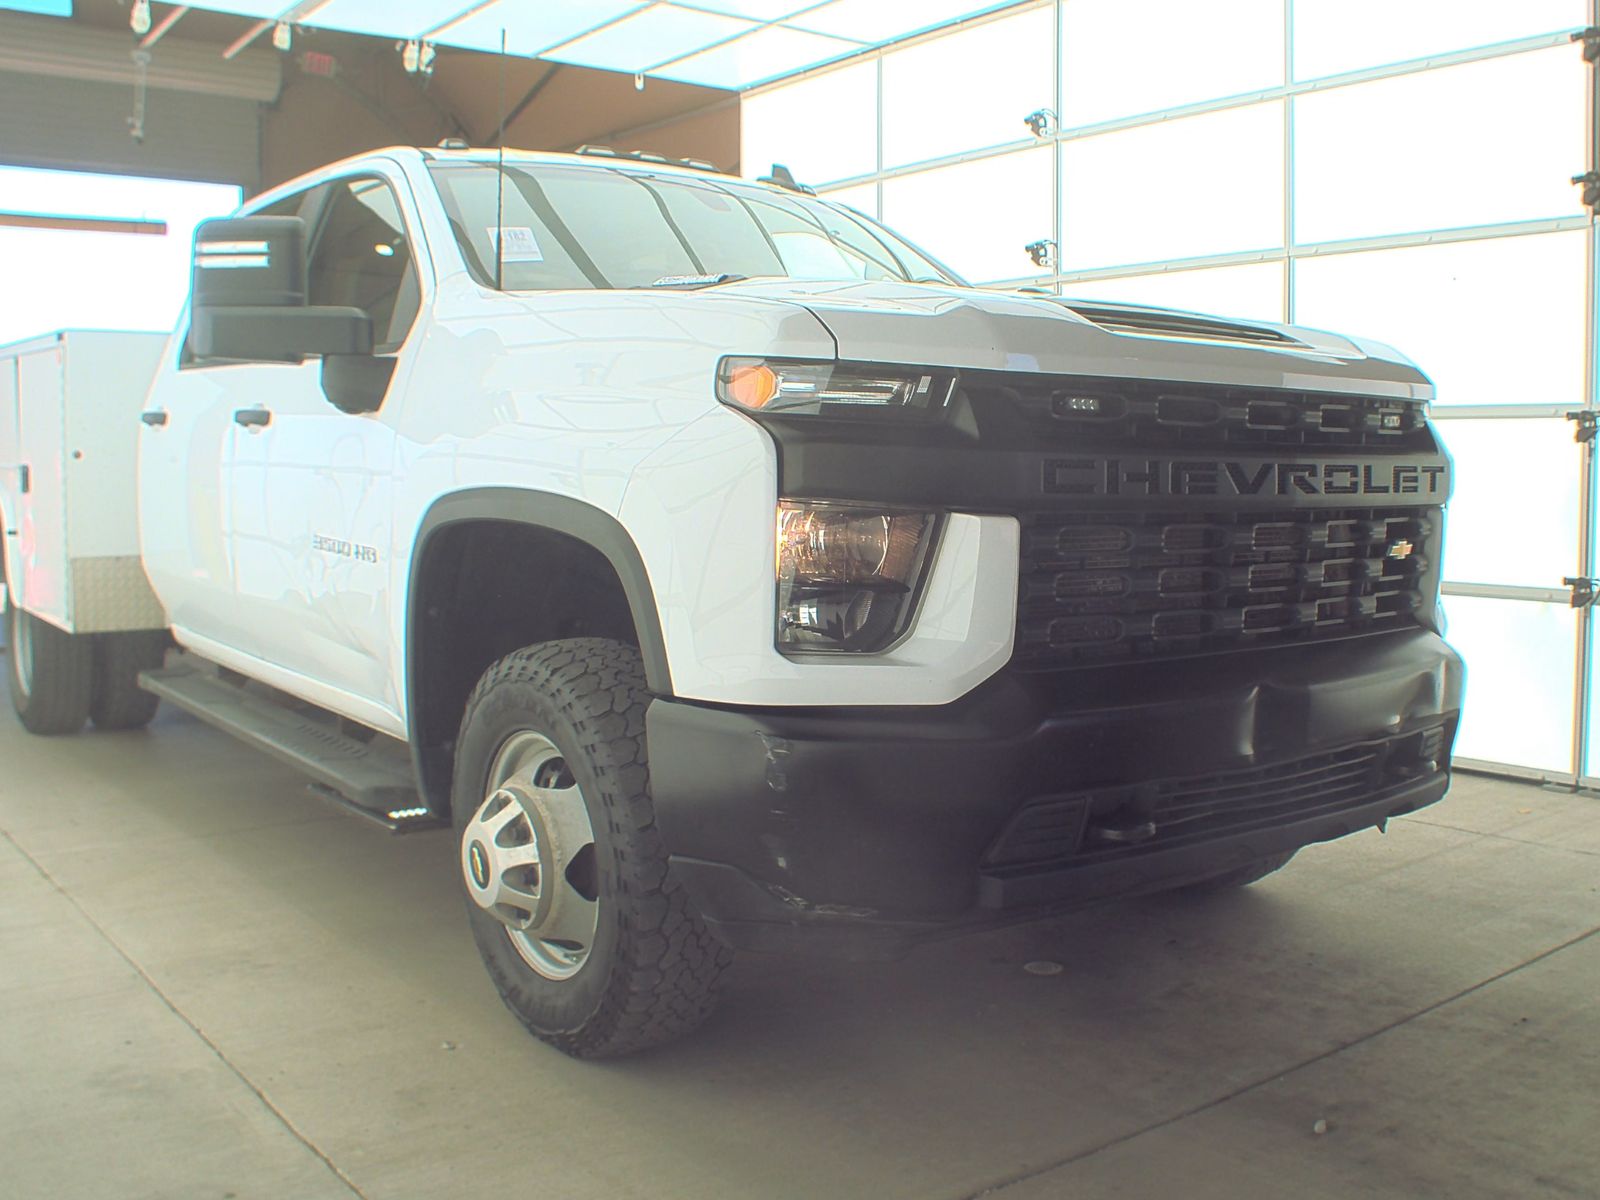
point(353, 774)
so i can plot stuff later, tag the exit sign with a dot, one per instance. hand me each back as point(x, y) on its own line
point(314, 62)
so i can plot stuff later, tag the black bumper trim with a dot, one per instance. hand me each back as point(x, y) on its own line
point(750, 916)
point(808, 819)
point(1194, 861)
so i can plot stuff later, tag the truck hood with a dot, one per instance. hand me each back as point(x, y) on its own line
point(936, 325)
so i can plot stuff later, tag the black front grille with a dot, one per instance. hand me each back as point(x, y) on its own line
point(1093, 825)
point(1128, 586)
point(1349, 774)
point(1147, 414)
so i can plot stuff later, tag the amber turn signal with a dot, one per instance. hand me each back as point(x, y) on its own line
point(751, 386)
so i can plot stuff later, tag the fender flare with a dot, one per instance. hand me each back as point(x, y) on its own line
point(545, 510)
point(561, 514)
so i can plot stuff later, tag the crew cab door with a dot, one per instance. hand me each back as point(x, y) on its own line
point(311, 485)
point(186, 448)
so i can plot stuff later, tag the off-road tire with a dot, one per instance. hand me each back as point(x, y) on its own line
point(654, 967)
point(51, 674)
point(1243, 876)
point(118, 702)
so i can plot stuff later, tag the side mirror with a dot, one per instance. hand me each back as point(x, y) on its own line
point(356, 383)
point(248, 296)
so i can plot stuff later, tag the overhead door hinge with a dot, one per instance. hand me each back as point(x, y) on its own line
point(1042, 122)
point(1588, 422)
point(1583, 590)
point(1590, 179)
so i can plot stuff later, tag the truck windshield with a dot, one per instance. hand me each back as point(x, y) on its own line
point(600, 227)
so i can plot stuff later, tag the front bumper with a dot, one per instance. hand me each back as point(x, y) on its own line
point(863, 830)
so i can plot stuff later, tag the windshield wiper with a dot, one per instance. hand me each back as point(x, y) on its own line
point(691, 282)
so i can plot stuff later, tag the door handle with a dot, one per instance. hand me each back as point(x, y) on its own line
point(155, 416)
point(254, 418)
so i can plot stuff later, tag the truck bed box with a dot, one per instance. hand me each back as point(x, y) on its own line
point(69, 422)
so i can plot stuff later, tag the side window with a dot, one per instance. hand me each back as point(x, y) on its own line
point(362, 257)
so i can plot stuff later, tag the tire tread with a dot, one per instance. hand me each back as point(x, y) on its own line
point(118, 702)
point(668, 964)
point(62, 677)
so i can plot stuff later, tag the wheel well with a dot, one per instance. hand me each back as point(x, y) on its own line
point(482, 589)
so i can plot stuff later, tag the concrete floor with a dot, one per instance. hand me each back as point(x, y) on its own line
point(212, 985)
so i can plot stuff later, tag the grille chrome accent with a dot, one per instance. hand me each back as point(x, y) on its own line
point(1098, 587)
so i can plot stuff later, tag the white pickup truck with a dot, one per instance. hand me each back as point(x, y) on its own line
point(730, 574)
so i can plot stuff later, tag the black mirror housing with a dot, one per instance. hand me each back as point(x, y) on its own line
point(248, 289)
point(256, 262)
point(269, 334)
point(356, 383)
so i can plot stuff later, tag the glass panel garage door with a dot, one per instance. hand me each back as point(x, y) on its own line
point(1396, 169)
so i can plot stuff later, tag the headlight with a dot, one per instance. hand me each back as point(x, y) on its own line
point(848, 576)
point(785, 388)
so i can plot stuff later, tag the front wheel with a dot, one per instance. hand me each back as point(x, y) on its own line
point(587, 937)
point(51, 674)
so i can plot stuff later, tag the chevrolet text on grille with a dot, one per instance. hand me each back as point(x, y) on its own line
point(1245, 477)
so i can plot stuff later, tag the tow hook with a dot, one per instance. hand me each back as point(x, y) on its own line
point(1123, 835)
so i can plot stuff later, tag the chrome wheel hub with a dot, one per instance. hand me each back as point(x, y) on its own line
point(528, 857)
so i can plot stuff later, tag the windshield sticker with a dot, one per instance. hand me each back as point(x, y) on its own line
point(520, 244)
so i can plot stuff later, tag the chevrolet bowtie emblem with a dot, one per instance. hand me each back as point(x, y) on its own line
point(1401, 549)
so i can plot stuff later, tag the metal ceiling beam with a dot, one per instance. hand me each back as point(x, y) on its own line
point(291, 14)
point(167, 22)
point(245, 38)
point(21, 220)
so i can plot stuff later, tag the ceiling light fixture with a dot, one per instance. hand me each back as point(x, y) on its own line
point(410, 55)
point(282, 35)
point(139, 18)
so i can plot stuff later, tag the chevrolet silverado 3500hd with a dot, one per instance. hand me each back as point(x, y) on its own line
point(730, 574)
